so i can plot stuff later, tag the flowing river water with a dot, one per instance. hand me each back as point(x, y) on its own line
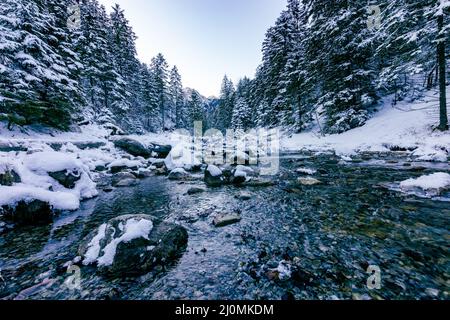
point(329, 234)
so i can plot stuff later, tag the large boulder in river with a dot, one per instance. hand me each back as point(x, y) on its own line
point(133, 147)
point(29, 212)
point(133, 245)
point(214, 176)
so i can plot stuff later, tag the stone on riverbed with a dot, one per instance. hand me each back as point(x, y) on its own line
point(225, 219)
point(119, 178)
point(195, 190)
point(179, 174)
point(244, 196)
point(214, 176)
point(309, 181)
point(133, 245)
point(126, 183)
point(259, 183)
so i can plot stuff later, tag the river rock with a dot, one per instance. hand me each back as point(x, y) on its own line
point(126, 183)
point(133, 245)
point(225, 219)
point(8, 177)
point(308, 181)
point(133, 147)
point(66, 178)
point(161, 151)
point(121, 176)
point(89, 144)
point(28, 213)
point(144, 173)
point(244, 196)
point(214, 176)
point(239, 177)
point(179, 174)
point(259, 183)
point(195, 190)
point(159, 163)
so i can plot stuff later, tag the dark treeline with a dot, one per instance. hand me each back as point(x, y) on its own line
point(56, 72)
point(321, 59)
point(335, 59)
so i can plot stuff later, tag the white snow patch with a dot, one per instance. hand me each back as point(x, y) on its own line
point(11, 196)
point(93, 250)
point(125, 163)
point(182, 156)
point(435, 181)
point(406, 125)
point(284, 270)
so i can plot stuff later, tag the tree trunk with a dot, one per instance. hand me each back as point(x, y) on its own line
point(443, 123)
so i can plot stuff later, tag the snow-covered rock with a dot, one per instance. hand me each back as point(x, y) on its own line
point(182, 156)
point(133, 244)
point(239, 176)
point(45, 170)
point(214, 176)
point(133, 147)
point(23, 204)
point(121, 164)
point(433, 184)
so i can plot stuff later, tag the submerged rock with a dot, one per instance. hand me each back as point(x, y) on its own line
point(195, 190)
point(126, 183)
point(119, 178)
point(66, 178)
point(225, 219)
point(133, 245)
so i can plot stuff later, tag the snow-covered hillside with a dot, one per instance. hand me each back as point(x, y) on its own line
point(406, 126)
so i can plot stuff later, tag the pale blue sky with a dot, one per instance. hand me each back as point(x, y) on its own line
point(206, 39)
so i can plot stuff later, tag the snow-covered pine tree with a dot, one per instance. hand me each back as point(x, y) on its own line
point(176, 97)
point(103, 87)
point(123, 39)
point(159, 68)
point(148, 100)
point(224, 111)
point(339, 50)
point(195, 107)
point(242, 112)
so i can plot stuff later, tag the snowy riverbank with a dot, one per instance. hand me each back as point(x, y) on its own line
point(404, 127)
